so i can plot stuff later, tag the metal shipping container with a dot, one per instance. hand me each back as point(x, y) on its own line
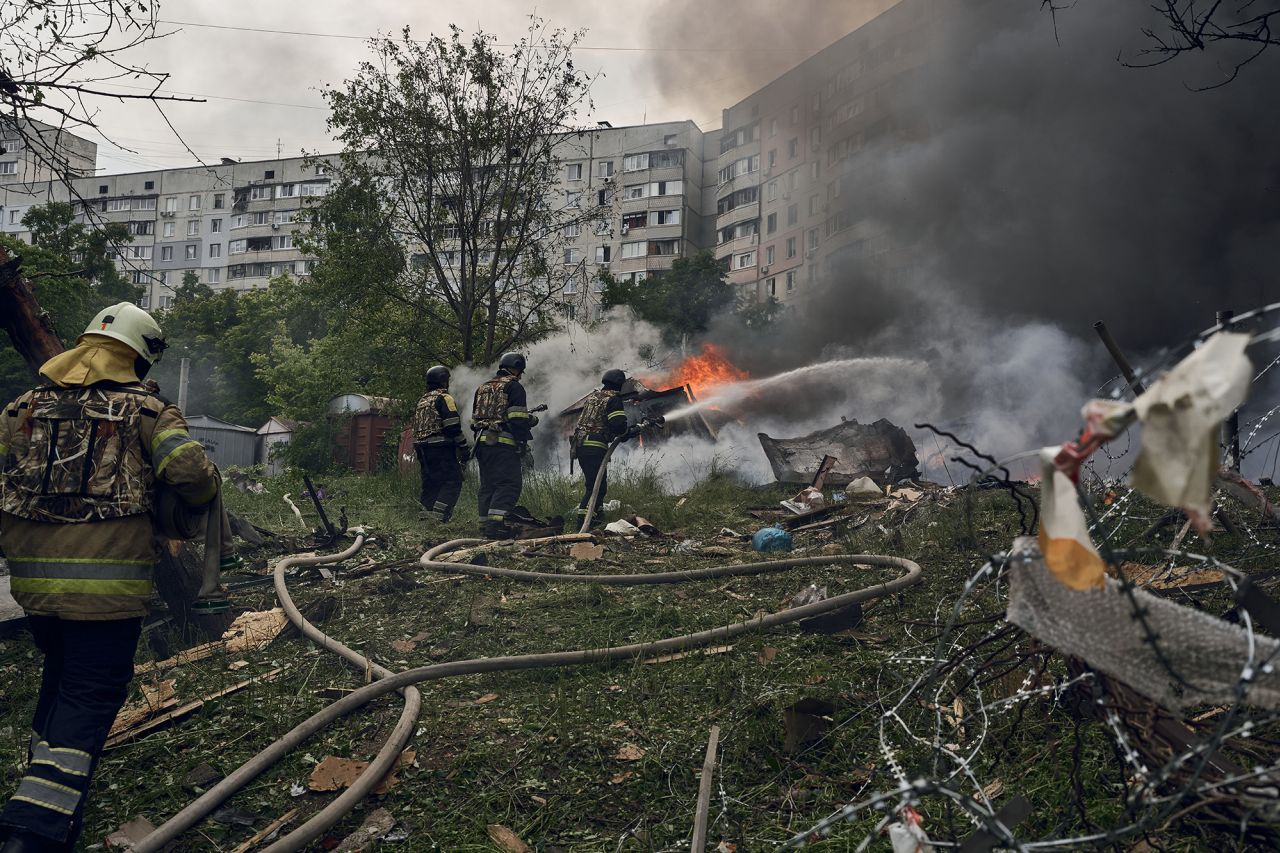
point(226, 443)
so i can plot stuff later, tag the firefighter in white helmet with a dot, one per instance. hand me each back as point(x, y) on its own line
point(83, 455)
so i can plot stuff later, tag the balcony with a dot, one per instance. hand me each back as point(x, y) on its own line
point(738, 244)
point(741, 213)
point(749, 275)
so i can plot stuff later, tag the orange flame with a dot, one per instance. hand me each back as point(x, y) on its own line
point(705, 371)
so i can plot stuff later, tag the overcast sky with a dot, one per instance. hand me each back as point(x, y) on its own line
point(659, 61)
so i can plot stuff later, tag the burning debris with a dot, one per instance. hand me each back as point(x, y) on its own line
point(882, 451)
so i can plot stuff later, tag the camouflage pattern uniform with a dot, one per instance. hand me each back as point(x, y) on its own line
point(81, 463)
point(603, 418)
point(441, 449)
point(501, 422)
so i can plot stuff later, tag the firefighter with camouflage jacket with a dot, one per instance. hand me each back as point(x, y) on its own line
point(602, 420)
point(439, 444)
point(83, 455)
point(502, 425)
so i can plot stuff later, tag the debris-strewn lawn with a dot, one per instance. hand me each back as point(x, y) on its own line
point(607, 758)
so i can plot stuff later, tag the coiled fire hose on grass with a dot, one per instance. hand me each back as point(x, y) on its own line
point(199, 808)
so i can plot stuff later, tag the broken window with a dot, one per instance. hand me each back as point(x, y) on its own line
point(141, 229)
point(771, 286)
point(634, 220)
point(671, 140)
point(665, 159)
point(747, 195)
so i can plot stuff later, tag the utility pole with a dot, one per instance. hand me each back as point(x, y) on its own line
point(184, 371)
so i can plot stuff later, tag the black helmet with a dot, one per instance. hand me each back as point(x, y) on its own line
point(512, 361)
point(438, 377)
point(613, 379)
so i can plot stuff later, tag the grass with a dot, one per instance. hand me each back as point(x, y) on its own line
point(542, 757)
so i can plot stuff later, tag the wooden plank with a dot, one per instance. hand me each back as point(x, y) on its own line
point(704, 793)
point(266, 831)
point(183, 710)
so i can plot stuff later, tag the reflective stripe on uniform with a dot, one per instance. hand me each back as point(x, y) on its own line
point(593, 443)
point(497, 514)
point(437, 439)
point(62, 799)
point(618, 414)
point(517, 412)
point(168, 444)
point(452, 421)
point(73, 762)
point(93, 576)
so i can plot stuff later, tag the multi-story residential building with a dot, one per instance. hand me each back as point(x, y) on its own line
point(788, 156)
point(34, 157)
point(769, 193)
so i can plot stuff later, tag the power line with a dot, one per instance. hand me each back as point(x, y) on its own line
point(604, 48)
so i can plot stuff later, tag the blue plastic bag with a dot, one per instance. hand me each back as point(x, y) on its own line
point(769, 539)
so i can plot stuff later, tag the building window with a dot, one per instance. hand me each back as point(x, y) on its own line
point(286, 190)
point(634, 191)
point(573, 172)
point(102, 188)
point(793, 214)
point(602, 226)
point(164, 277)
point(237, 221)
point(144, 301)
point(13, 216)
point(604, 198)
point(791, 280)
point(268, 174)
point(168, 229)
point(773, 157)
point(771, 223)
point(664, 247)
point(795, 115)
point(666, 188)
point(143, 252)
point(664, 217)
point(141, 229)
point(192, 252)
point(193, 203)
point(171, 204)
point(573, 229)
point(744, 260)
point(259, 193)
point(773, 127)
point(144, 203)
point(604, 254)
point(166, 253)
point(572, 199)
point(815, 205)
point(791, 247)
point(815, 171)
point(285, 217)
point(771, 286)
point(671, 140)
point(604, 169)
point(571, 255)
point(634, 250)
point(315, 189)
point(215, 250)
point(219, 201)
point(166, 302)
point(768, 255)
point(635, 162)
point(215, 226)
point(213, 275)
point(284, 241)
point(118, 204)
point(811, 239)
point(260, 217)
point(793, 148)
point(139, 277)
point(772, 190)
point(193, 227)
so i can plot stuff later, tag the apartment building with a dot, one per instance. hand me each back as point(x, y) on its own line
point(788, 163)
point(33, 158)
point(770, 193)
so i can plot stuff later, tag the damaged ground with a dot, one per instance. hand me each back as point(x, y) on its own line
point(608, 757)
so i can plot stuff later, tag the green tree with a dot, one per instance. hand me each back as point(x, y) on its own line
point(681, 301)
point(454, 222)
point(73, 275)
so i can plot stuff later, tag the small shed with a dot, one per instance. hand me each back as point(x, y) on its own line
point(273, 436)
point(357, 442)
point(226, 443)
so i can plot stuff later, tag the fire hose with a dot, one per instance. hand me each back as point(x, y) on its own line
point(658, 422)
point(389, 681)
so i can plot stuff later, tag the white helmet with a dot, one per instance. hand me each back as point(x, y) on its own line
point(126, 322)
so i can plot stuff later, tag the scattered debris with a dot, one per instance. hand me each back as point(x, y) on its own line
point(156, 697)
point(377, 824)
point(334, 773)
point(234, 816)
point(507, 840)
point(711, 650)
point(629, 752)
point(704, 791)
point(254, 630)
point(586, 551)
point(611, 505)
point(881, 451)
point(805, 723)
point(621, 527)
point(863, 487)
point(130, 833)
point(403, 646)
point(687, 546)
point(486, 698)
point(811, 594)
point(200, 778)
point(267, 831)
point(808, 500)
point(645, 526)
point(146, 728)
point(767, 654)
point(1158, 578)
point(771, 539)
point(906, 835)
point(245, 483)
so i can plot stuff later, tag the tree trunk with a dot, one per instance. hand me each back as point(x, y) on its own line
point(20, 314)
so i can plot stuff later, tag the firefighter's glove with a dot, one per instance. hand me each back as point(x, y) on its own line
point(464, 454)
point(533, 421)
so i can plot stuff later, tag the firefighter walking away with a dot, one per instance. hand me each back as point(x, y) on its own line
point(440, 446)
point(603, 419)
point(502, 426)
point(83, 456)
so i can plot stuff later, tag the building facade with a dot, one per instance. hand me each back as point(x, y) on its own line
point(769, 193)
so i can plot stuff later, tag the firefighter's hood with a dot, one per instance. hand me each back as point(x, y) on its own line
point(94, 358)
